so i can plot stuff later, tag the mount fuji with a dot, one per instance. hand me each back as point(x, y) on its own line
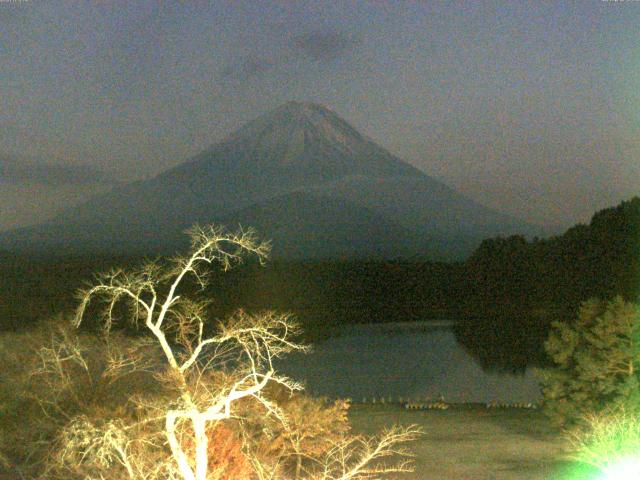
point(303, 177)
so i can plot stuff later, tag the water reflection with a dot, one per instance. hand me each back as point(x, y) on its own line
point(412, 360)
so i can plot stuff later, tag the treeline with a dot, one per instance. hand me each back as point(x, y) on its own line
point(515, 288)
point(327, 294)
point(506, 294)
point(321, 294)
point(35, 288)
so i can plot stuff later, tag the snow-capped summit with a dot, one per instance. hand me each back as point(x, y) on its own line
point(311, 137)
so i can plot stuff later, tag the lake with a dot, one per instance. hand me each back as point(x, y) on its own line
point(410, 360)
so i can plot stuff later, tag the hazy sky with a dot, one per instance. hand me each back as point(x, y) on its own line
point(529, 107)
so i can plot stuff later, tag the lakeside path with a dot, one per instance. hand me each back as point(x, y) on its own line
point(475, 443)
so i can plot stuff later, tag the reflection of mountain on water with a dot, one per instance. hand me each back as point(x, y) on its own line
point(409, 361)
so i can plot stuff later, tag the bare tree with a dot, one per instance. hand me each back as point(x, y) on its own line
point(211, 373)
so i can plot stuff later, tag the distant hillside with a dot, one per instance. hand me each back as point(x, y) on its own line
point(515, 288)
point(300, 174)
point(35, 171)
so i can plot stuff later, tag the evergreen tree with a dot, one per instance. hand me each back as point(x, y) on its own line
point(597, 362)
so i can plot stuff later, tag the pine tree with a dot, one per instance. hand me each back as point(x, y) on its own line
point(596, 361)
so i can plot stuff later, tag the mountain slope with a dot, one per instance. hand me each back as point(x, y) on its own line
point(309, 225)
point(277, 165)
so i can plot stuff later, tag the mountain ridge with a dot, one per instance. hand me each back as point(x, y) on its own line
point(298, 147)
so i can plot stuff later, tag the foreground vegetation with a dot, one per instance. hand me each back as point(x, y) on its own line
point(183, 399)
point(596, 362)
point(592, 387)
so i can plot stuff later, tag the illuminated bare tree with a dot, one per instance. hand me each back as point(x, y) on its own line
point(211, 373)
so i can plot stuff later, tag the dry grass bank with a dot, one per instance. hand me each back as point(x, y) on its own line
point(475, 443)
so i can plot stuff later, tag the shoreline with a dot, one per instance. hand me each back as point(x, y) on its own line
point(392, 326)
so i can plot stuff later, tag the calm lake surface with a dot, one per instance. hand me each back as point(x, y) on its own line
point(409, 360)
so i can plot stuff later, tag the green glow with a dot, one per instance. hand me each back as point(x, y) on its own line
point(625, 469)
point(609, 448)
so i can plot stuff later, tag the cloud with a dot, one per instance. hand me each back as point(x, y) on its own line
point(243, 68)
point(325, 45)
point(317, 45)
point(20, 171)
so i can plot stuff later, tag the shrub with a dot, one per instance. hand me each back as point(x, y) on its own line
point(596, 361)
point(313, 426)
point(227, 461)
point(190, 401)
point(52, 374)
point(608, 440)
point(17, 430)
